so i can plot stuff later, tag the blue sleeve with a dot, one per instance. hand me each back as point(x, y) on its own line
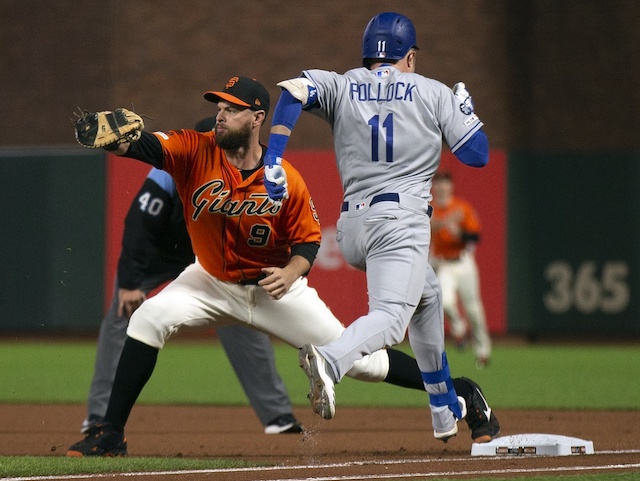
point(164, 180)
point(287, 111)
point(475, 151)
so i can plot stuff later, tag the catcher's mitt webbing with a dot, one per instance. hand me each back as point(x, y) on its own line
point(99, 129)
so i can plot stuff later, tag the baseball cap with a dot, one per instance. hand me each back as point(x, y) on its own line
point(243, 91)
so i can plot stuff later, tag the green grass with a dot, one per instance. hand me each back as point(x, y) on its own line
point(15, 466)
point(534, 376)
point(190, 372)
point(29, 466)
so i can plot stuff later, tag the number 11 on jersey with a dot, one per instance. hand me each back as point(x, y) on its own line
point(387, 125)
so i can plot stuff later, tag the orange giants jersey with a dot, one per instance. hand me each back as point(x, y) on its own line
point(446, 244)
point(235, 229)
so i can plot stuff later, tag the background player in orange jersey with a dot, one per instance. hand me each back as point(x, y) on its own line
point(455, 230)
point(251, 257)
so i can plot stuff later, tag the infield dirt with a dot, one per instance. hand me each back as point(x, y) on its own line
point(364, 442)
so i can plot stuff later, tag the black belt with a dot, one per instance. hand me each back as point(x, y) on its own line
point(252, 282)
point(388, 197)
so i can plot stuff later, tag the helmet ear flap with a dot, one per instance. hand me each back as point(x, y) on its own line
point(388, 35)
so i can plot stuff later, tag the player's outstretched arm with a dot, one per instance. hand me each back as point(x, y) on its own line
point(119, 132)
point(107, 128)
point(118, 149)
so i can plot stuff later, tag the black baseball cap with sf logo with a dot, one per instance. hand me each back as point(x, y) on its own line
point(243, 91)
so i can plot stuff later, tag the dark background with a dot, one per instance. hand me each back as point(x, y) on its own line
point(555, 82)
point(545, 74)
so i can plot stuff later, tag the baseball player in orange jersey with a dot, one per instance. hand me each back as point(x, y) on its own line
point(455, 230)
point(251, 259)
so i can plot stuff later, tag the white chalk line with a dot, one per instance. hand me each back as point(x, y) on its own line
point(357, 463)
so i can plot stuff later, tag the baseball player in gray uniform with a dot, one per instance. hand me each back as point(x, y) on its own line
point(388, 125)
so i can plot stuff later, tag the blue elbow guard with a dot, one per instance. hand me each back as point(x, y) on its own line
point(475, 151)
point(450, 398)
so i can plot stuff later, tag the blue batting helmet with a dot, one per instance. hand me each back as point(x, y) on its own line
point(388, 35)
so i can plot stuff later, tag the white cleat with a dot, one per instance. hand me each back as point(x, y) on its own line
point(445, 424)
point(444, 436)
point(321, 387)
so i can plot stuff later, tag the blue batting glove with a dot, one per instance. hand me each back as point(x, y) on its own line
point(275, 179)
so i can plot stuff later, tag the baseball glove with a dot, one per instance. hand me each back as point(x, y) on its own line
point(99, 129)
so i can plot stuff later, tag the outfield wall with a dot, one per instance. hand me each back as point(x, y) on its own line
point(339, 285)
point(559, 260)
point(52, 241)
point(574, 262)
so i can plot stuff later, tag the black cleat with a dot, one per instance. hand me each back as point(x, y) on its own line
point(483, 423)
point(284, 424)
point(101, 440)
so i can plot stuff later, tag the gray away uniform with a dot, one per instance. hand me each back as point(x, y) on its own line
point(388, 129)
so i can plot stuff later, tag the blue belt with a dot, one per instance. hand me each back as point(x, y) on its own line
point(388, 197)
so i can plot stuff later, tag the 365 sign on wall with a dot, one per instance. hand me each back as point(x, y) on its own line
point(574, 262)
point(589, 287)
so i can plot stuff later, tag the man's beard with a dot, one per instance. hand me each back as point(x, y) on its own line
point(235, 139)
